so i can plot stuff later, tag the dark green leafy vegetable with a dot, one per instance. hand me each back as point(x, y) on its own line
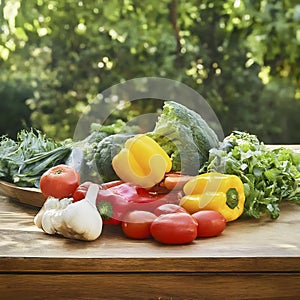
point(269, 176)
point(7, 165)
point(23, 161)
point(105, 152)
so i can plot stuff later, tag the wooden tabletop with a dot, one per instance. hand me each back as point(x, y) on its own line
point(264, 240)
point(268, 249)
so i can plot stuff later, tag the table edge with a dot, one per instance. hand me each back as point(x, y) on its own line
point(150, 264)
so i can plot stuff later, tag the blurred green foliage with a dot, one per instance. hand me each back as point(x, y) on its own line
point(242, 56)
point(14, 113)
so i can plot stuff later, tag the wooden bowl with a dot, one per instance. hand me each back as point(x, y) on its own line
point(31, 196)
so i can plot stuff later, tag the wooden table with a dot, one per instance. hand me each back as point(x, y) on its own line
point(250, 260)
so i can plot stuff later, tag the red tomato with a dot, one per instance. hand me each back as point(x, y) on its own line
point(136, 224)
point(59, 181)
point(210, 223)
point(174, 229)
point(168, 208)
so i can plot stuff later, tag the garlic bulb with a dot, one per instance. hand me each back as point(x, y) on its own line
point(79, 220)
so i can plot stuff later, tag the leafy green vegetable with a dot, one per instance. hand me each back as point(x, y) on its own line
point(185, 136)
point(7, 164)
point(23, 161)
point(269, 176)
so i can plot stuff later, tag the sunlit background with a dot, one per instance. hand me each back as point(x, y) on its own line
point(242, 56)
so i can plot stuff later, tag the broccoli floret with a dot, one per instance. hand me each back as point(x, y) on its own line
point(185, 136)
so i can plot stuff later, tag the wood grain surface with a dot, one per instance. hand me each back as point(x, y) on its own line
point(251, 259)
point(159, 286)
point(259, 240)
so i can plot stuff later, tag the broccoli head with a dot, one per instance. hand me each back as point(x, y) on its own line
point(185, 136)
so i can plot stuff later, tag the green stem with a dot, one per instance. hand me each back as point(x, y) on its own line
point(232, 198)
point(105, 209)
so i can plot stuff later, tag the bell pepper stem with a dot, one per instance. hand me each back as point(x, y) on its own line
point(232, 198)
point(105, 209)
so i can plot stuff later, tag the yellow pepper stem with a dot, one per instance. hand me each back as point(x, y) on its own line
point(232, 198)
point(214, 191)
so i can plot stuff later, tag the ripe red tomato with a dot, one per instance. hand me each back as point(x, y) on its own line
point(210, 223)
point(136, 224)
point(59, 181)
point(168, 208)
point(174, 229)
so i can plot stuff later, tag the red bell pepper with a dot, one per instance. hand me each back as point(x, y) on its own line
point(128, 197)
point(117, 198)
point(111, 206)
point(80, 192)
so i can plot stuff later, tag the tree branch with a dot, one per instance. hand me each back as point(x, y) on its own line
point(173, 19)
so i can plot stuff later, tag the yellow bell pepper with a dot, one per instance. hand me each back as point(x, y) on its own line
point(142, 161)
point(215, 191)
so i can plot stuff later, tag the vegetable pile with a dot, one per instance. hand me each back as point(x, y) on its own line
point(174, 184)
point(141, 213)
